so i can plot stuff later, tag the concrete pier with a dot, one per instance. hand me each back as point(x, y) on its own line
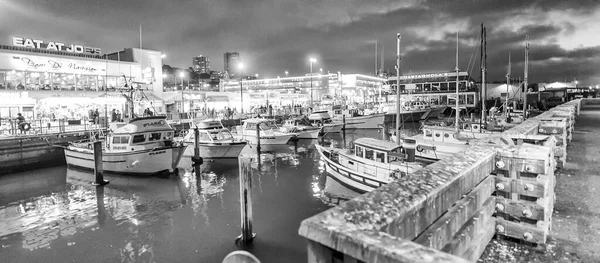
point(449, 211)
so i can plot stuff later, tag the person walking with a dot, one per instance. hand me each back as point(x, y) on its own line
point(21, 122)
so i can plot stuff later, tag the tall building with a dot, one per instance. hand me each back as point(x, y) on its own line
point(230, 62)
point(201, 64)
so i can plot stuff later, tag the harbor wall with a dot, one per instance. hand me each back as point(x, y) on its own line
point(450, 210)
point(33, 152)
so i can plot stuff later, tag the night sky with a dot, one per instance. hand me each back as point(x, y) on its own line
point(277, 35)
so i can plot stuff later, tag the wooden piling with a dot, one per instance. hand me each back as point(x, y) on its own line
point(196, 159)
point(258, 140)
point(246, 202)
point(98, 169)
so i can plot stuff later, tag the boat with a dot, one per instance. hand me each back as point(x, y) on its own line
point(413, 111)
point(268, 134)
point(354, 120)
point(323, 119)
point(143, 146)
point(302, 127)
point(370, 164)
point(214, 141)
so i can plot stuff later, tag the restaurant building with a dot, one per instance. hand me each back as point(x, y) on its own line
point(67, 80)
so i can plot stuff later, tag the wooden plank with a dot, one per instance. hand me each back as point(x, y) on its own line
point(441, 232)
point(469, 232)
point(521, 231)
point(524, 209)
point(517, 186)
point(318, 253)
point(479, 244)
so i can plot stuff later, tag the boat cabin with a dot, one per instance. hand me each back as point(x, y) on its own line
point(296, 122)
point(320, 117)
point(210, 131)
point(141, 133)
point(377, 150)
point(264, 125)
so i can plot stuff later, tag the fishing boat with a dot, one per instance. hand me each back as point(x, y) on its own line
point(214, 141)
point(143, 146)
point(353, 119)
point(323, 119)
point(370, 164)
point(268, 134)
point(302, 127)
point(413, 111)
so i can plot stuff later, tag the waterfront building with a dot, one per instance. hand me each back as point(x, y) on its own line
point(66, 80)
point(230, 64)
point(441, 82)
point(201, 64)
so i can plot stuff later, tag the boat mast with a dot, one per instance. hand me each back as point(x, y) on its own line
point(398, 107)
point(483, 75)
point(457, 70)
point(507, 91)
point(526, 74)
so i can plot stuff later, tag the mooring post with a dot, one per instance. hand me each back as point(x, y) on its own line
point(246, 202)
point(196, 159)
point(384, 131)
point(98, 169)
point(258, 140)
point(344, 125)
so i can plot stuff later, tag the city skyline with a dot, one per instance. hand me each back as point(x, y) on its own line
point(277, 36)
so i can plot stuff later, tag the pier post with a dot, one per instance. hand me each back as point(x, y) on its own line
point(384, 132)
point(196, 159)
point(246, 203)
point(344, 126)
point(98, 169)
point(258, 140)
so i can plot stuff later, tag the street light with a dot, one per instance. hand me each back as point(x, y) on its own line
point(286, 73)
point(321, 70)
point(163, 55)
point(241, 67)
point(311, 61)
point(181, 74)
point(256, 75)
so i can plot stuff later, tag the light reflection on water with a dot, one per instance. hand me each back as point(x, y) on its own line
point(56, 214)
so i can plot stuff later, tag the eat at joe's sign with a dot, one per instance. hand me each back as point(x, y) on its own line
point(53, 45)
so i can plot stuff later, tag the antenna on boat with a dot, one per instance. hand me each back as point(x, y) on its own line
point(398, 107)
point(525, 76)
point(457, 113)
point(483, 75)
point(507, 91)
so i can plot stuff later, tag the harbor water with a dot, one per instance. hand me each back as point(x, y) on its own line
point(56, 215)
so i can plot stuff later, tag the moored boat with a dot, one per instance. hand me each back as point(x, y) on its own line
point(143, 146)
point(214, 141)
point(267, 134)
point(323, 119)
point(302, 127)
point(370, 164)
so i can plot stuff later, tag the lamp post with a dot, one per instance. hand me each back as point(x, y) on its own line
point(182, 98)
point(311, 61)
point(286, 73)
point(241, 67)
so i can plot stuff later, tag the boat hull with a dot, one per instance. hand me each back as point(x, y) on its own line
point(412, 116)
point(364, 122)
point(351, 179)
point(275, 139)
point(309, 134)
point(332, 128)
point(216, 150)
point(142, 162)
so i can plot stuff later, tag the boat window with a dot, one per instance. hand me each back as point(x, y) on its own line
point(139, 138)
point(369, 154)
point(393, 158)
point(428, 133)
point(203, 136)
point(224, 135)
point(251, 126)
point(120, 140)
point(380, 157)
point(446, 135)
point(168, 135)
point(264, 126)
point(437, 134)
point(359, 151)
point(154, 136)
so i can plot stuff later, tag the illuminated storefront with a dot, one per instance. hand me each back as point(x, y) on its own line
point(69, 79)
point(12, 103)
point(432, 82)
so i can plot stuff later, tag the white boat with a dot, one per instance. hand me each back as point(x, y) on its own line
point(370, 164)
point(354, 120)
point(214, 141)
point(323, 119)
point(411, 111)
point(143, 146)
point(302, 127)
point(268, 134)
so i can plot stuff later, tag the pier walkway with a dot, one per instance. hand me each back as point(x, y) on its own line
point(520, 187)
point(575, 233)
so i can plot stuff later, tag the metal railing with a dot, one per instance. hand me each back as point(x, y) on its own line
point(46, 126)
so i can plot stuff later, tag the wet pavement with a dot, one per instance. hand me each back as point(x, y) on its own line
point(56, 215)
point(575, 233)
